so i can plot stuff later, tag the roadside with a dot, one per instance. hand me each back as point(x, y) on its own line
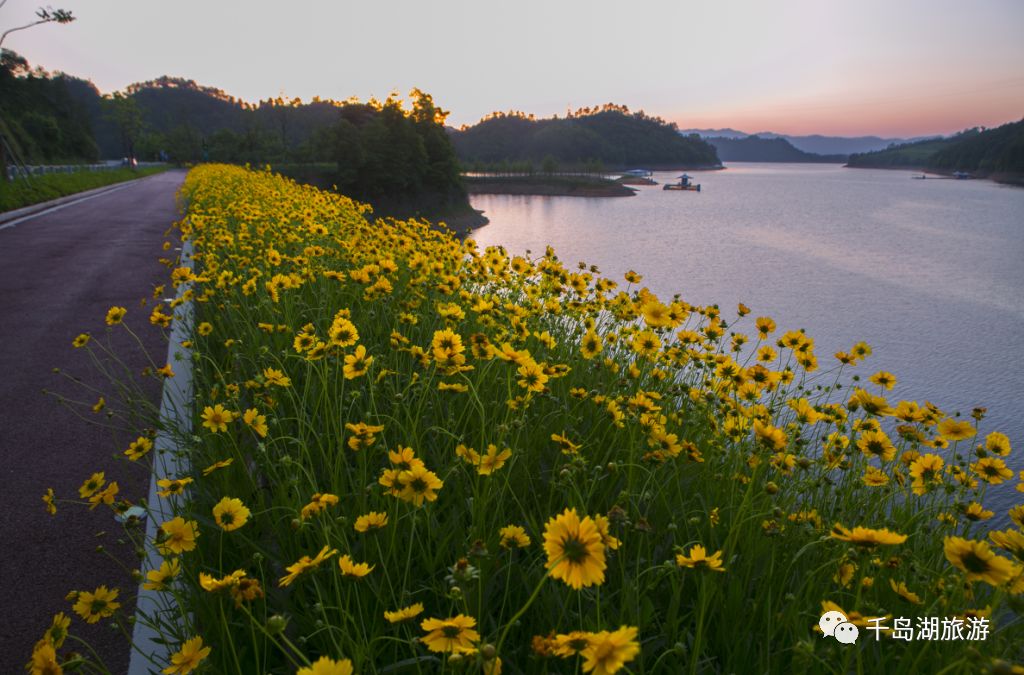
point(58, 278)
point(22, 193)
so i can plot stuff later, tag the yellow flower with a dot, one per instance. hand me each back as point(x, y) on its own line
point(371, 521)
point(698, 558)
point(351, 568)
point(975, 511)
point(591, 344)
point(256, 421)
point(93, 485)
point(58, 630)
point(874, 477)
point(327, 666)
point(187, 659)
point(454, 634)
point(646, 343)
point(997, 443)
point(513, 536)
point(304, 564)
point(177, 536)
point(44, 660)
point(96, 605)
point(902, 590)
point(876, 444)
point(317, 504)
point(884, 379)
point(1009, 540)
point(575, 550)
point(419, 485)
point(404, 614)
point(80, 341)
point(205, 328)
point(230, 514)
point(138, 448)
point(926, 471)
point(956, 430)
point(867, 537)
point(607, 652)
point(216, 418)
point(50, 500)
point(115, 315)
point(276, 377)
point(172, 486)
point(977, 560)
point(992, 470)
point(99, 405)
point(342, 332)
point(217, 465)
point(357, 364)
point(492, 460)
point(532, 377)
point(157, 580)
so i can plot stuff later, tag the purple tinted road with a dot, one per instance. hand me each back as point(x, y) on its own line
point(59, 274)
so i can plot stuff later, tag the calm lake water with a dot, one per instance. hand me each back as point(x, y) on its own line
point(929, 272)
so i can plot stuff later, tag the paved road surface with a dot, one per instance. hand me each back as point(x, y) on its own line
point(59, 273)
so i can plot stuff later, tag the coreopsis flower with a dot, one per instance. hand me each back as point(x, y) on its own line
point(177, 536)
point(492, 460)
point(454, 634)
point(230, 514)
point(513, 536)
point(992, 470)
point(115, 315)
point(876, 444)
point(363, 435)
point(574, 549)
point(256, 421)
point(373, 520)
point(568, 645)
point(975, 511)
point(217, 418)
point(218, 465)
point(104, 496)
point(609, 651)
point(977, 561)
point(99, 405)
point(565, 444)
point(304, 564)
point(97, 605)
point(867, 537)
point(419, 485)
point(92, 485)
point(901, 589)
point(532, 377)
point(1011, 541)
point(327, 666)
point(44, 660)
point(956, 430)
point(342, 332)
point(591, 345)
point(997, 443)
point(58, 630)
point(80, 341)
point(138, 448)
point(646, 343)
point(350, 568)
point(187, 658)
point(50, 502)
point(172, 486)
point(357, 364)
point(205, 328)
point(276, 377)
point(317, 504)
point(874, 477)
point(698, 558)
point(157, 580)
point(926, 472)
point(884, 379)
point(404, 614)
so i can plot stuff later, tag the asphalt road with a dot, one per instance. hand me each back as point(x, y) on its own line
point(59, 274)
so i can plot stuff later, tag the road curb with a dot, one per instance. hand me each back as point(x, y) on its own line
point(158, 609)
point(35, 209)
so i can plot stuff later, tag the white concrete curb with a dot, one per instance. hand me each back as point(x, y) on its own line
point(158, 608)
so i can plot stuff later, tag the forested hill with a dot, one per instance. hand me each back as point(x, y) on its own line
point(998, 153)
point(757, 149)
point(610, 136)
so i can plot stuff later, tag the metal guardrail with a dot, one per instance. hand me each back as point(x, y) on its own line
point(42, 170)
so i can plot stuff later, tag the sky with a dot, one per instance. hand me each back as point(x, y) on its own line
point(881, 67)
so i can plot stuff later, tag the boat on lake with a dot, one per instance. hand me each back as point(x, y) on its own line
point(683, 184)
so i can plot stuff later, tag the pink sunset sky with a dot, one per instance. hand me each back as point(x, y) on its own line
point(877, 67)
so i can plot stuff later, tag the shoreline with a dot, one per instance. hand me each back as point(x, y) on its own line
point(551, 186)
point(999, 177)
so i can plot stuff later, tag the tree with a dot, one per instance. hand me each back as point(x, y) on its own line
point(124, 112)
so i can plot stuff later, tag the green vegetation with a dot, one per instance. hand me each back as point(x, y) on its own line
point(609, 135)
point(757, 149)
point(25, 192)
point(995, 152)
point(575, 186)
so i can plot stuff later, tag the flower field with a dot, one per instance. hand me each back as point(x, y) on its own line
point(412, 456)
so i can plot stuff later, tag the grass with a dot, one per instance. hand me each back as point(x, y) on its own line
point(25, 192)
point(692, 488)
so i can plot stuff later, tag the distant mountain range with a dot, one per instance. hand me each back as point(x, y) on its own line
point(758, 149)
point(816, 143)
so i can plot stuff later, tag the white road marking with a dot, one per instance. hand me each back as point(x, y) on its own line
point(65, 205)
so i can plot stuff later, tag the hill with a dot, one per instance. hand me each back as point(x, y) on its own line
point(610, 136)
point(997, 153)
point(814, 143)
point(757, 149)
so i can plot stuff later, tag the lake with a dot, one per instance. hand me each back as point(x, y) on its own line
point(930, 273)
